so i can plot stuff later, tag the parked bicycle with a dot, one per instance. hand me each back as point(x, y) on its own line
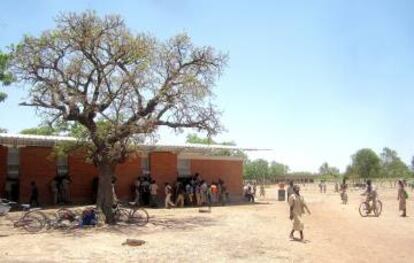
point(131, 214)
point(31, 219)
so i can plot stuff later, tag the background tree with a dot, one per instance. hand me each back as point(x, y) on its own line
point(194, 138)
point(119, 86)
point(277, 170)
point(41, 130)
point(392, 166)
point(327, 172)
point(412, 164)
point(256, 170)
point(5, 76)
point(366, 164)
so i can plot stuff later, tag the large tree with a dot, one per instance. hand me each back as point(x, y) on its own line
point(366, 164)
point(118, 86)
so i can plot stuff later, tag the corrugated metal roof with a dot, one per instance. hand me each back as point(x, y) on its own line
point(48, 141)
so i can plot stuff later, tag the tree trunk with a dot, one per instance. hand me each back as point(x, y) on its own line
point(105, 198)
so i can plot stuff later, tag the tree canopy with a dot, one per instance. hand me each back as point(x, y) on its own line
point(366, 163)
point(261, 170)
point(194, 138)
point(5, 76)
point(392, 166)
point(328, 172)
point(41, 130)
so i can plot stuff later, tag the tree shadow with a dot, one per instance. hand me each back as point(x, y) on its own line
point(155, 224)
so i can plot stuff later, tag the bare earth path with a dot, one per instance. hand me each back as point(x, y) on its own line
point(247, 233)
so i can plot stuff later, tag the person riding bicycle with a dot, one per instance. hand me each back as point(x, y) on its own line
point(371, 194)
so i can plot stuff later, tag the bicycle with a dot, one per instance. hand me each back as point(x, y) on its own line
point(132, 214)
point(365, 208)
point(31, 220)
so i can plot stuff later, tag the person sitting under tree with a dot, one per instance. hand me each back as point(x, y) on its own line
point(297, 209)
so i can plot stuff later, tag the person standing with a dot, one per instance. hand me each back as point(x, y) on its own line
point(402, 198)
point(34, 196)
point(213, 190)
point(154, 194)
point(203, 190)
point(289, 190)
point(254, 189)
point(197, 190)
point(343, 189)
point(54, 190)
point(146, 194)
point(262, 191)
point(180, 195)
point(297, 209)
point(65, 189)
point(168, 193)
point(189, 190)
point(137, 187)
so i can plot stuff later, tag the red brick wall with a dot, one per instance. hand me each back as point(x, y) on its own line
point(36, 165)
point(3, 169)
point(163, 166)
point(230, 171)
point(126, 173)
point(82, 174)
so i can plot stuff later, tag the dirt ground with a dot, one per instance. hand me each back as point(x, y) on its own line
point(242, 233)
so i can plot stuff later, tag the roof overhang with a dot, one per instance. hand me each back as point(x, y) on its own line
point(21, 140)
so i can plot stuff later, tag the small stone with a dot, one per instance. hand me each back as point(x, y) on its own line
point(133, 242)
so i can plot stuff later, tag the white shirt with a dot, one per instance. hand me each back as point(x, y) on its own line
point(154, 189)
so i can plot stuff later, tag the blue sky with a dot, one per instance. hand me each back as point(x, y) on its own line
point(313, 80)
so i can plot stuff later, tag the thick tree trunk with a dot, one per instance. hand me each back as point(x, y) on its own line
point(105, 198)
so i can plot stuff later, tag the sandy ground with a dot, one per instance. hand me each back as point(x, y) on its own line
point(243, 233)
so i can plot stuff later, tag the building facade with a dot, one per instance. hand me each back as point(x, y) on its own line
point(27, 158)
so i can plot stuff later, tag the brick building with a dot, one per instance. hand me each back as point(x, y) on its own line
point(27, 158)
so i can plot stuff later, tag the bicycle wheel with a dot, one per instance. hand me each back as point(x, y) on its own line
point(364, 209)
point(378, 208)
point(139, 217)
point(122, 215)
point(31, 222)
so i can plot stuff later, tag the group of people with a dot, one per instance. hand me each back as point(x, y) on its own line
point(146, 191)
point(372, 195)
point(322, 187)
point(195, 191)
point(249, 191)
point(59, 188)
